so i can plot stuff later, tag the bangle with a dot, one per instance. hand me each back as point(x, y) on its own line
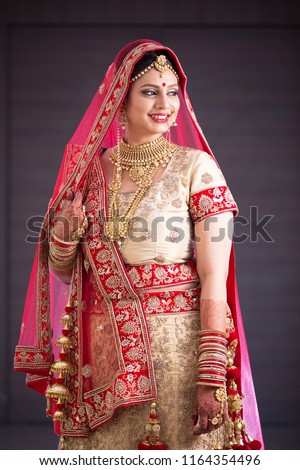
point(61, 241)
point(212, 358)
point(61, 254)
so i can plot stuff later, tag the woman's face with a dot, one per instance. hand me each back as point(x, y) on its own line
point(151, 106)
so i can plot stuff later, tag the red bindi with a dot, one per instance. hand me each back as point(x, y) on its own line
point(163, 84)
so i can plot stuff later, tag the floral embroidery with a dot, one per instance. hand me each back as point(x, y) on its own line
point(130, 327)
point(149, 275)
point(143, 384)
point(205, 203)
point(212, 201)
point(174, 341)
point(112, 282)
point(87, 371)
point(206, 178)
point(120, 388)
point(177, 203)
point(86, 265)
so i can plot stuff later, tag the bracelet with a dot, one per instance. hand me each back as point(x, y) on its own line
point(212, 358)
point(60, 267)
point(61, 254)
point(220, 395)
point(61, 241)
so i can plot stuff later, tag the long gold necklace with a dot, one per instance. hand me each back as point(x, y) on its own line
point(142, 162)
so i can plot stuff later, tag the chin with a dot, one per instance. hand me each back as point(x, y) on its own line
point(161, 128)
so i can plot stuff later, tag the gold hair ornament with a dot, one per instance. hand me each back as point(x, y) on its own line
point(161, 64)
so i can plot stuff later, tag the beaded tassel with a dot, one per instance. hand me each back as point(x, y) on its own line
point(238, 438)
point(152, 440)
point(57, 392)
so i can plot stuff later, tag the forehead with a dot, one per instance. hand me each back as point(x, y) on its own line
point(153, 77)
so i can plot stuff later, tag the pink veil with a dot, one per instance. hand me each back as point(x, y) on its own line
point(46, 295)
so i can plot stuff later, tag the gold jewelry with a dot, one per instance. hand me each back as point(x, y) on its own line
point(137, 158)
point(122, 118)
point(220, 395)
point(60, 240)
point(61, 257)
point(78, 233)
point(142, 162)
point(161, 64)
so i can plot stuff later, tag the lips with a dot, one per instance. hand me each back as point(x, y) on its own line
point(161, 118)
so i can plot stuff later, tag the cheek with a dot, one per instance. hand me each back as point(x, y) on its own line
point(174, 102)
point(136, 110)
point(177, 104)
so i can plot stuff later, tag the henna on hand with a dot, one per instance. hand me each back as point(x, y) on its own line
point(71, 218)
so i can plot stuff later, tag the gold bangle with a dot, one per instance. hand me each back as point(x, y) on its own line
point(60, 240)
point(219, 332)
point(210, 384)
point(60, 267)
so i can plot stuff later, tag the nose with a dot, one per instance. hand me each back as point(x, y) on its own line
point(162, 101)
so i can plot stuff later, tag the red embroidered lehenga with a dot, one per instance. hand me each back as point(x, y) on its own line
point(134, 329)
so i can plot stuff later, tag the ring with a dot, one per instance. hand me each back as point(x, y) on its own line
point(78, 233)
point(215, 420)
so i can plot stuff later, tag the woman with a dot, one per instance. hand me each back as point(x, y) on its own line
point(139, 227)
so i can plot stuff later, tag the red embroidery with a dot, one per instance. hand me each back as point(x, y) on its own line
point(212, 201)
point(151, 275)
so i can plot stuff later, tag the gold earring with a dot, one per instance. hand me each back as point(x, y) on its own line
point(121, 118)
point(175, 123)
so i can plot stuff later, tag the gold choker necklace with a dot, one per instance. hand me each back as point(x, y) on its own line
point(137, 158)
point(142, 162)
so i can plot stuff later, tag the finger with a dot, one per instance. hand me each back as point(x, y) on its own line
point(77, 201)
point(85, 222)
point(204, 423)
point(70, 195)
point(194, 419)
point(66, 204)
point(197, 429)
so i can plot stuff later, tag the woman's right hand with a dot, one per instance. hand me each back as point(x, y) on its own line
point(71, 218)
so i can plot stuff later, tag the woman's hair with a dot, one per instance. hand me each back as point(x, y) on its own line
point(148, 59)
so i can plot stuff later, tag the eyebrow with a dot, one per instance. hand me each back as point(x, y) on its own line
point(157, 86)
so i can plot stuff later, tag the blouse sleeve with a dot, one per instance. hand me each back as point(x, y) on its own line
point(209, 193)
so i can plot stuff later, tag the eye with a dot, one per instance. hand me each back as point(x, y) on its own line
point(173, 93)
point(149, 92)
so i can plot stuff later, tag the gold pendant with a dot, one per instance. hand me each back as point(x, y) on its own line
point(136, 173)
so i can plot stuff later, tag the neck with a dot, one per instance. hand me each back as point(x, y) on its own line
point(136, 140)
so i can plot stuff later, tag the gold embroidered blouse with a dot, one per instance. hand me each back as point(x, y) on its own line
point(191, 188)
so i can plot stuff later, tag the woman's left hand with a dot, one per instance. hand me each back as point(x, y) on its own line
point(207, 407)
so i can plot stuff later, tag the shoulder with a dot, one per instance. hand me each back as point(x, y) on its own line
point(195, 155)
point(203, 170)
point(196, 159)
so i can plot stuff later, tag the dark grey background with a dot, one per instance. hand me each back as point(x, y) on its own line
point(242, 62)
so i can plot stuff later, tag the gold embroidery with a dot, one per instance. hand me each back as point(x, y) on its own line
point(87, 371)
point(174, 342)
point(206, 178)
